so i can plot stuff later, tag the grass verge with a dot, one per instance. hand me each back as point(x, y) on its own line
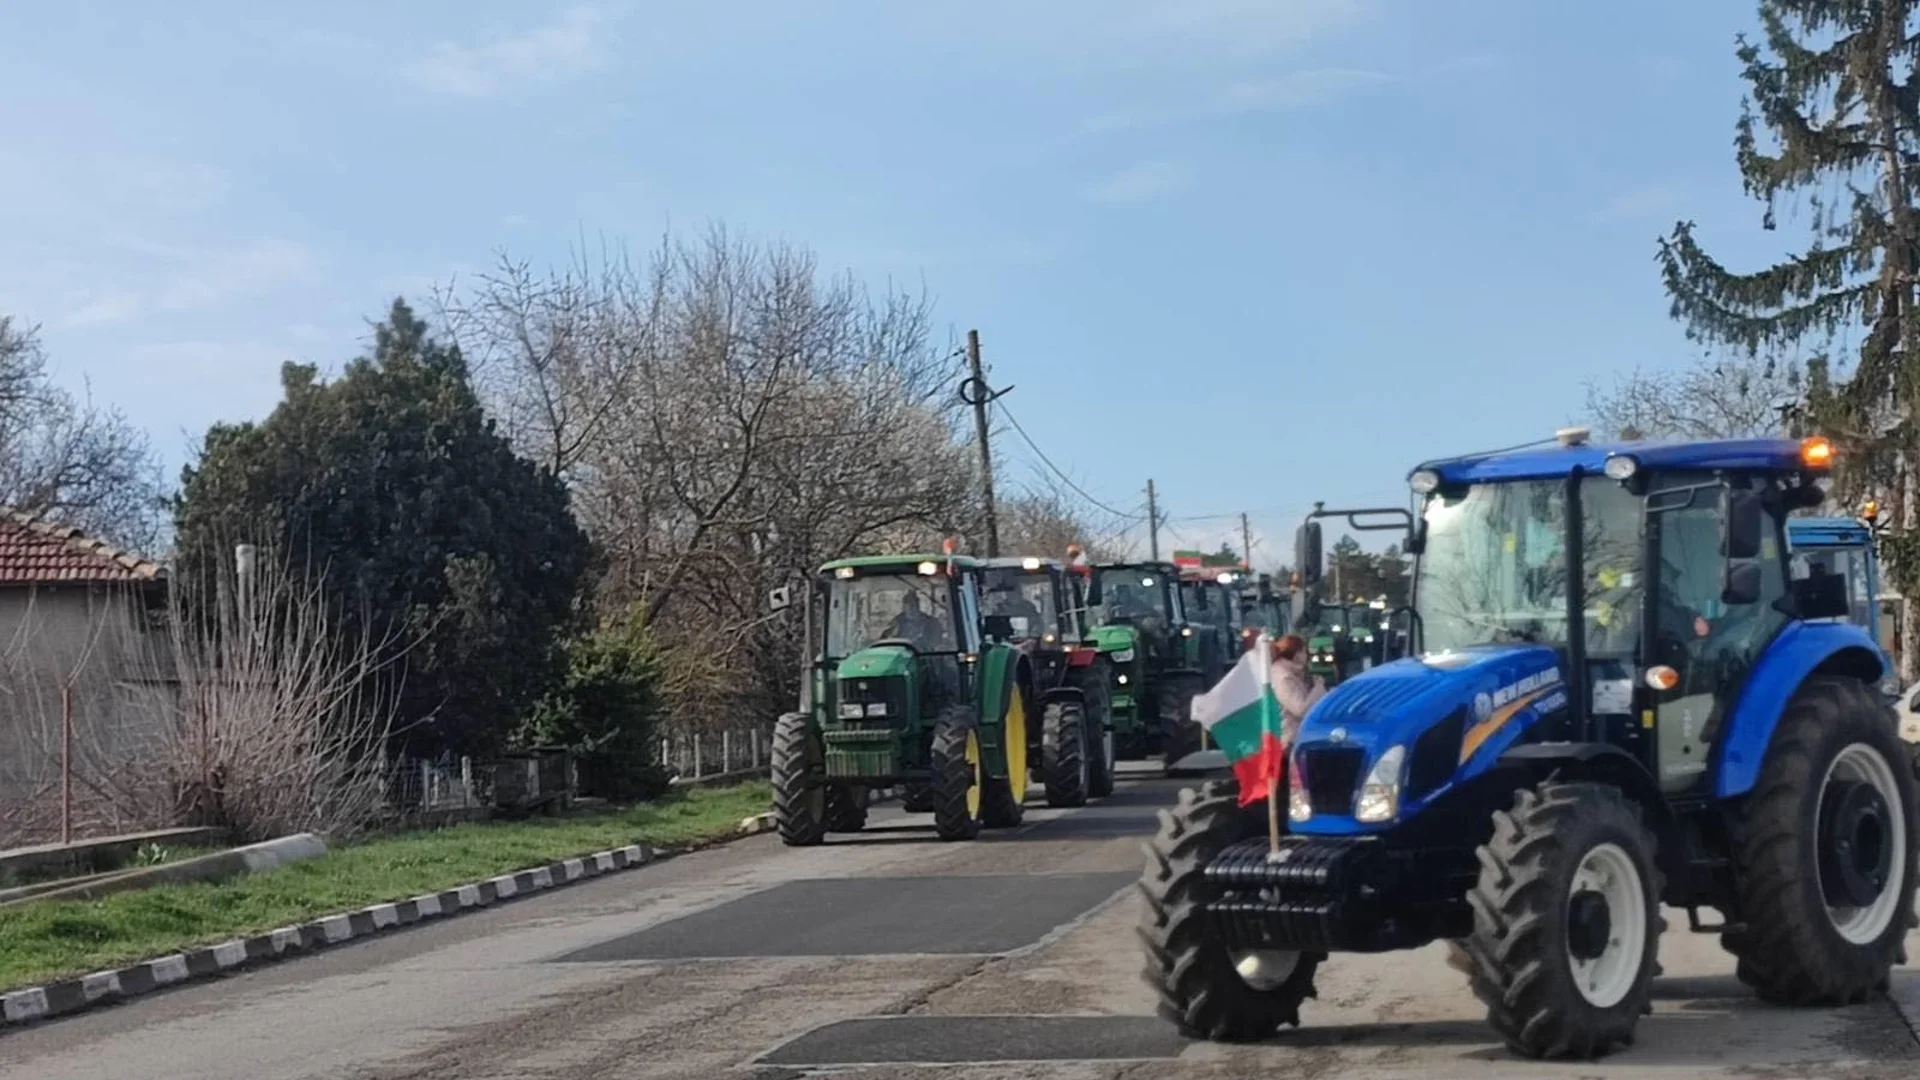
point(40, 942)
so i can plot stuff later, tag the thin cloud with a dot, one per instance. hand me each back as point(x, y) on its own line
point(1301, 89)
point(1247, 24)
point(1139, 183)
point(195, 281)
point(1642, 203)
point(568, 47)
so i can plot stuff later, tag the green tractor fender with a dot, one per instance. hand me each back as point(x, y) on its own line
point(1003, 671)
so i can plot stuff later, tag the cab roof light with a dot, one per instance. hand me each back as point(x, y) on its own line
point(1424, 481)
point(843, 573)
point(1029, 563)
point(928, 568)
point(1816, 452)
point(1621, 467)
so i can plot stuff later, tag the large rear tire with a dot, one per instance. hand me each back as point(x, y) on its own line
point(1205, 989)
point(955, 789)
point(799, 782)
point(1566, 921)
point(1063, 754)
point(1003, 799)
point(1824, 852)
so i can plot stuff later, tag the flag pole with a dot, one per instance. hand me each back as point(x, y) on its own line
point(1265, 645)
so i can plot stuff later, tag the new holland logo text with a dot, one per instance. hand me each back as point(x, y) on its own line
point(1485, 704)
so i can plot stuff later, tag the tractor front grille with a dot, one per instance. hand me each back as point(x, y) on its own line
point(887, 691)
point(1332, 775)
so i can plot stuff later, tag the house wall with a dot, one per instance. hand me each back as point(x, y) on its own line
point(100, 640)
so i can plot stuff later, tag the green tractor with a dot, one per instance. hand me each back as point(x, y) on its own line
point(1212, 603)
point(905, 686)
point(1158, 666)
point(1262, 611)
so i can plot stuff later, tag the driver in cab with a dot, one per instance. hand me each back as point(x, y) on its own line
point(913, 624)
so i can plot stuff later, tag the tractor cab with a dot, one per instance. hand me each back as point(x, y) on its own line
point(1262, 611)
point(1623, 690)
point(896, 632)
point(1212, 607)
point(1145, 636)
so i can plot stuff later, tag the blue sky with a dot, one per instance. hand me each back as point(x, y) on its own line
point(1265, 252)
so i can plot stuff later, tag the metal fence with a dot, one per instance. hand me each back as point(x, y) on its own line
point(701, 755)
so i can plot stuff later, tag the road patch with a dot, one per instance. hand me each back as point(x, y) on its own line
point(958, 1040)
point(887, 916)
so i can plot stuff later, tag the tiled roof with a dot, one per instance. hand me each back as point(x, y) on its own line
point(35, 552)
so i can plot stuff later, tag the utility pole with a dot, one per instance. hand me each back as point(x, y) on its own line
point(1246, 543)
point(1153, 522)
point(976, 393)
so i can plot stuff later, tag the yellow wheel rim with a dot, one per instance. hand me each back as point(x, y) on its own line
point(1014, 733)
point(973, 760)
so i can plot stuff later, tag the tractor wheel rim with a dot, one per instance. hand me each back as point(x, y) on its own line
point(1013, 734)
point(1609, 899)
point(1876, 838)
point(1265, 970)
point(973, 766)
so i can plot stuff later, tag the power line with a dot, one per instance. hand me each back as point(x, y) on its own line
point(1057, 470)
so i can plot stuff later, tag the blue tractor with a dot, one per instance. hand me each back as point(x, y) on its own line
point(1622, 694)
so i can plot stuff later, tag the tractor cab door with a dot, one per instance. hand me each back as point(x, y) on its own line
point(1066, 602)
point(1697, 624)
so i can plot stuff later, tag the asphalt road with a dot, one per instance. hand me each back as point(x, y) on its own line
point(883, 955)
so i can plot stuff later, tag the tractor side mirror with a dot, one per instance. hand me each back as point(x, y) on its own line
point(1417, 538)
point(1742, 583)
point(1093, 589)
point(998, 627)
point(780, 599)
point(1741, 524)
point(1306, 553)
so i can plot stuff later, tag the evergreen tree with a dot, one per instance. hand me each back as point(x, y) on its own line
point(392, 482)
point(1831, 127)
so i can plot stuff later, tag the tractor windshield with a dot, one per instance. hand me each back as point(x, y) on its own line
point(1023, 596)
point(913, 608)
point(1495, 566)
point(1134, 594)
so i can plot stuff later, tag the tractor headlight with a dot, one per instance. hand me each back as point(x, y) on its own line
point(1621, 467)
point(878, 708)
point(1380, 795)
point(1121, 679)
point(1299, 806)
point(1123, 656)
point(852, 710)
point(1424, 481)
point(1186, 631)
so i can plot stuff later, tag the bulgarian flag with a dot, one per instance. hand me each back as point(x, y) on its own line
point(1242, 715)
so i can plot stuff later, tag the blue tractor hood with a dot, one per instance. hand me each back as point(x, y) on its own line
point(1490, 695)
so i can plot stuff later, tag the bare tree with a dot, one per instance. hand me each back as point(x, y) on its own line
point(68, 459)
point(1737, 396)
point(251, 711)
point(728, 417)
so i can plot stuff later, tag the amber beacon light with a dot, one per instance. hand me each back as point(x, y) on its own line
point(1816, 453)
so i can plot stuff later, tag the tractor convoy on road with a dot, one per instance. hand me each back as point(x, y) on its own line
point(1626, 680)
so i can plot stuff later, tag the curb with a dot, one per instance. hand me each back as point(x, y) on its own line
point(117, 984)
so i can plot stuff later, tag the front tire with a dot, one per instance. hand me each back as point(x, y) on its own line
point(799, 782)
point(1206, 990)
point(1824, 852)
point(955, 789)
point(1176, 719)
point(1063, 754)
point(1100, 739)
point(1566, 921)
